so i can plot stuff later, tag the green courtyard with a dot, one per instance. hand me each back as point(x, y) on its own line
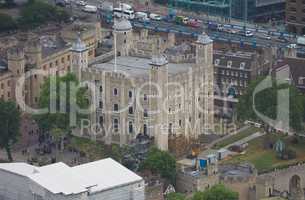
point(265, 158)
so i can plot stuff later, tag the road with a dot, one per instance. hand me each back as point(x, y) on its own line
point(257, 40)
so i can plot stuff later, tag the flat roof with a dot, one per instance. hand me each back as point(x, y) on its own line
point(136, 66)
point(106, 174)
point(19, 168)
point(59, 178)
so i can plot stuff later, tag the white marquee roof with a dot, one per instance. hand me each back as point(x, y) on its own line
point(60, 178)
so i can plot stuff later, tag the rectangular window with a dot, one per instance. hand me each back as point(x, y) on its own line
point(115, 107)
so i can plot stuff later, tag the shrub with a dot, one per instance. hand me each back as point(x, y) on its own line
point(7, 23)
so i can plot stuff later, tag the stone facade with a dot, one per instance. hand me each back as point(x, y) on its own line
point(136, 92)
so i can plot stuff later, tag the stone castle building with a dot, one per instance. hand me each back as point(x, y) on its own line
point(137, 90)
point(140, 91)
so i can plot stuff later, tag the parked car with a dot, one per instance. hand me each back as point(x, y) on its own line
point(156, 17)
point(90, 9)
point(265, 36)
point(142, 16)
point(194, 23)
point(81, 3)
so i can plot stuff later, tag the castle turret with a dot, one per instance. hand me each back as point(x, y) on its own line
point(33, 51)
point(204, 77)
point(122, 31)
point(16, 61)
point(159, 78)
point(79, 57)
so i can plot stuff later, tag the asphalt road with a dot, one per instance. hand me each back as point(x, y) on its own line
point(257, 40)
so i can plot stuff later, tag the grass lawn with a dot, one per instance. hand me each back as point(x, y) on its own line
point(236, 137)
point(265, 159)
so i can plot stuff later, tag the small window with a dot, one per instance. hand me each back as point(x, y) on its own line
point(100, 104)
point(130, 110)
point(242, 65)
point(115, 91)
point(229, 64)
point(145, 129)
point(101, 120)
point(101, 89)
point(115, 107)
point(216, 62)
point(145, 97)
point(180, 122)
point(115, 125)
point(130, 127)
point(145, 113)
point(301, 81)
point(130, 94)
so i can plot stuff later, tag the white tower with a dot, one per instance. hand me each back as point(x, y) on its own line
point(79, 57)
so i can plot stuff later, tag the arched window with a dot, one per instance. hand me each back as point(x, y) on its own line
point(115, 91)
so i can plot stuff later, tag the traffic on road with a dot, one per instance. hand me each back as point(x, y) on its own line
point(186, 25)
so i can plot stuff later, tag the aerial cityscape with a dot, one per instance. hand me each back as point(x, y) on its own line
point(152, 100)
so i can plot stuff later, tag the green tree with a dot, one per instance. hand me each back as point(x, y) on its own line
point(9, 126)
point(58, 122)
point(39, 12)
point(217, 192)
point(161, 162)
point(266, 103)
point(175, 196)
point(7, 23)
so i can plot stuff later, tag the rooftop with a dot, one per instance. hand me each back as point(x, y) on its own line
point(135, 66)
point(52, 44)
point(60, 178)
point(234, 170)
point(236, 59)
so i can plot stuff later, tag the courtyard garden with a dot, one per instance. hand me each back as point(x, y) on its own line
point(264, 152)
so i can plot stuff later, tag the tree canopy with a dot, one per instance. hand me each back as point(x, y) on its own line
point(266, 103)
point(9, 126)
point(161, 162)
point(217, 192)
point(61, 118)
point(7, 23)
point(38, 12)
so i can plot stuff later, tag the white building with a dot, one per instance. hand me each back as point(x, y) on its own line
point(103, 179)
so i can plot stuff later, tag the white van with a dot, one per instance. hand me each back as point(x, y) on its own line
point(155, 17)
point(125, 6)
point(119, 13)
point(141, 16)
point(90, 9)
